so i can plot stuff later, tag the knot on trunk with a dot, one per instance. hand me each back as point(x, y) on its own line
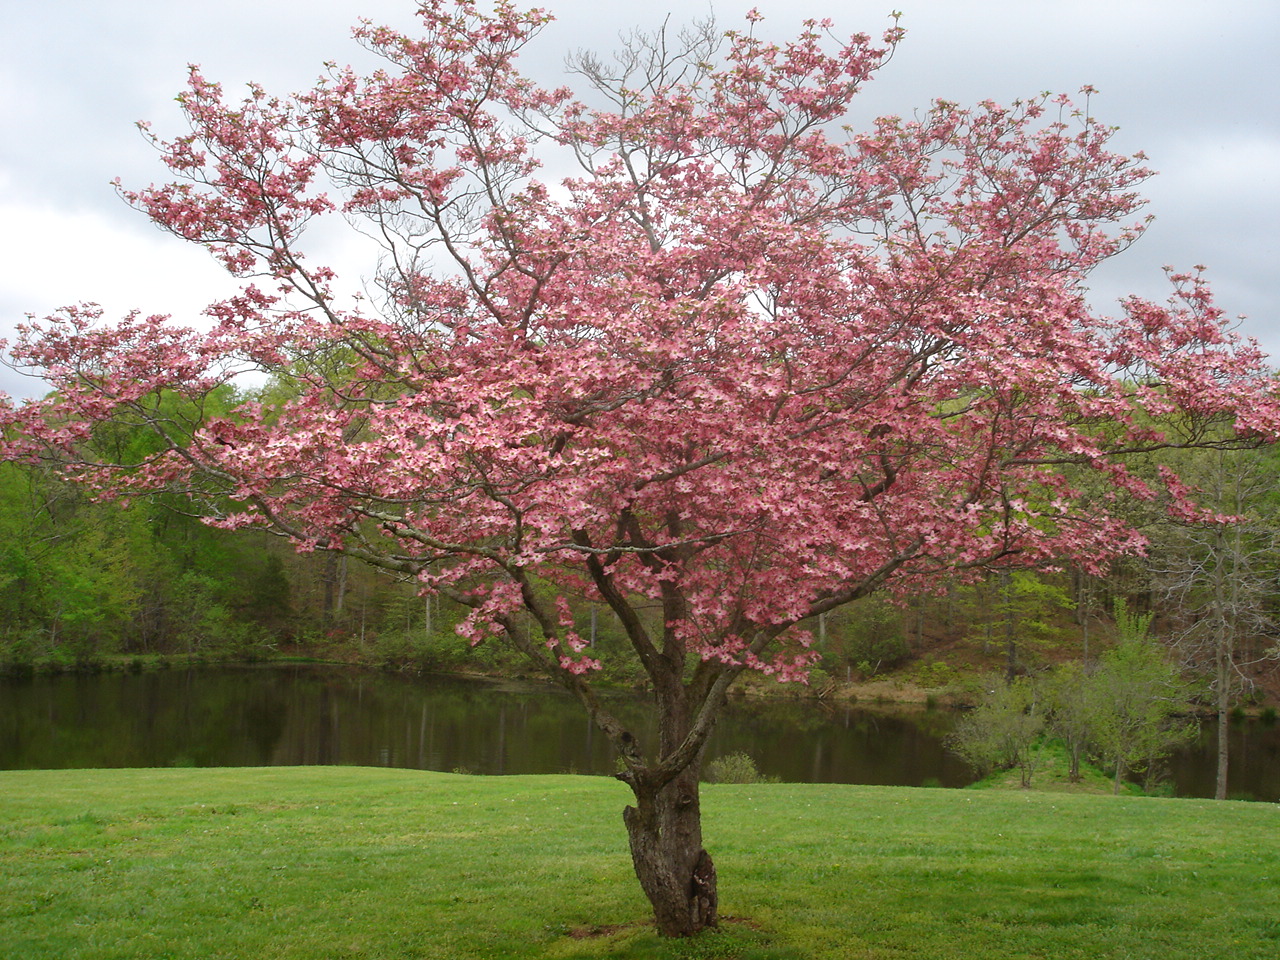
point(702, 891)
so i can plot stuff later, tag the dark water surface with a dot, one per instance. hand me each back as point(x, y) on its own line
point(307, 714)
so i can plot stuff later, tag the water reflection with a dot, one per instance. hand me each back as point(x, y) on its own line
point(294, 715)
point(1254, 772)
point(263, 716)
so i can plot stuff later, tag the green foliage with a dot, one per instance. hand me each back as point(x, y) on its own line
point(1131, 627)
point(1130, 712)
point(1071, 709)
point(1053, 773)
point(66, 581)
point(417, 635)
point(868, 634)
point(1138, 704)
point(417, 651)
point(735, 768)
point(1001, 732)
point(931, 674)
point(1018, 610)
point(80, 579)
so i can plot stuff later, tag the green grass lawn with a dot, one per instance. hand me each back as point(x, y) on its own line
point(336, 862)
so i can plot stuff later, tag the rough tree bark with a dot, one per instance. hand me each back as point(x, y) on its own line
point(675, 872)
point(664, 827)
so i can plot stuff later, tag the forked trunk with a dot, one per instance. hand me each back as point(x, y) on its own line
point(665, 829)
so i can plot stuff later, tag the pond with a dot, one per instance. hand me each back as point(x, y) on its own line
point(315, 714)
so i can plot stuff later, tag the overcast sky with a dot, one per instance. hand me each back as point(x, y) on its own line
point(1194, 84)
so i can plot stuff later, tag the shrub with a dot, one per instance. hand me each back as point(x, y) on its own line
point(934, 673)
point(736, 768)
point(1001, 732)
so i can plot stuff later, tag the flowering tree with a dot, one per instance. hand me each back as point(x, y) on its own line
point(740, 365)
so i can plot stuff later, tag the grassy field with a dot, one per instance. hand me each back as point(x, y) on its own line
point(344, 862)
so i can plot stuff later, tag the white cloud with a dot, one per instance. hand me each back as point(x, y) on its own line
point(54, 257)
point(1212, 169)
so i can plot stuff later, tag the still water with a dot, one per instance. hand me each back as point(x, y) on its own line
point(306, 714)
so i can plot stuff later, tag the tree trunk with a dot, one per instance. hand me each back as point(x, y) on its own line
point(1010, 635)
point(334, 579)
point(676, 874)
point(1224, 724)
point(1222, 618)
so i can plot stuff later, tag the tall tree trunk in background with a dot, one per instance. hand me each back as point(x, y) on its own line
point(335, 585)
point(1222, 627)
point(1224, 724)
point(1218, 580)
point(1084, 609)
point(1010, 630)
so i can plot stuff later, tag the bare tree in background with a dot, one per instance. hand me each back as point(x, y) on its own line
point(1218, 581)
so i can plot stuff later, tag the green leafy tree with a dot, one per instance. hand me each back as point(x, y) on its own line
point(67, 581)
point(21, 544)
point(1016, 609)
point(1070, 711)
point(1002, 731)
point(1131, 626)
point(1138, 703)
point(79, 577)
point(867, 635)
